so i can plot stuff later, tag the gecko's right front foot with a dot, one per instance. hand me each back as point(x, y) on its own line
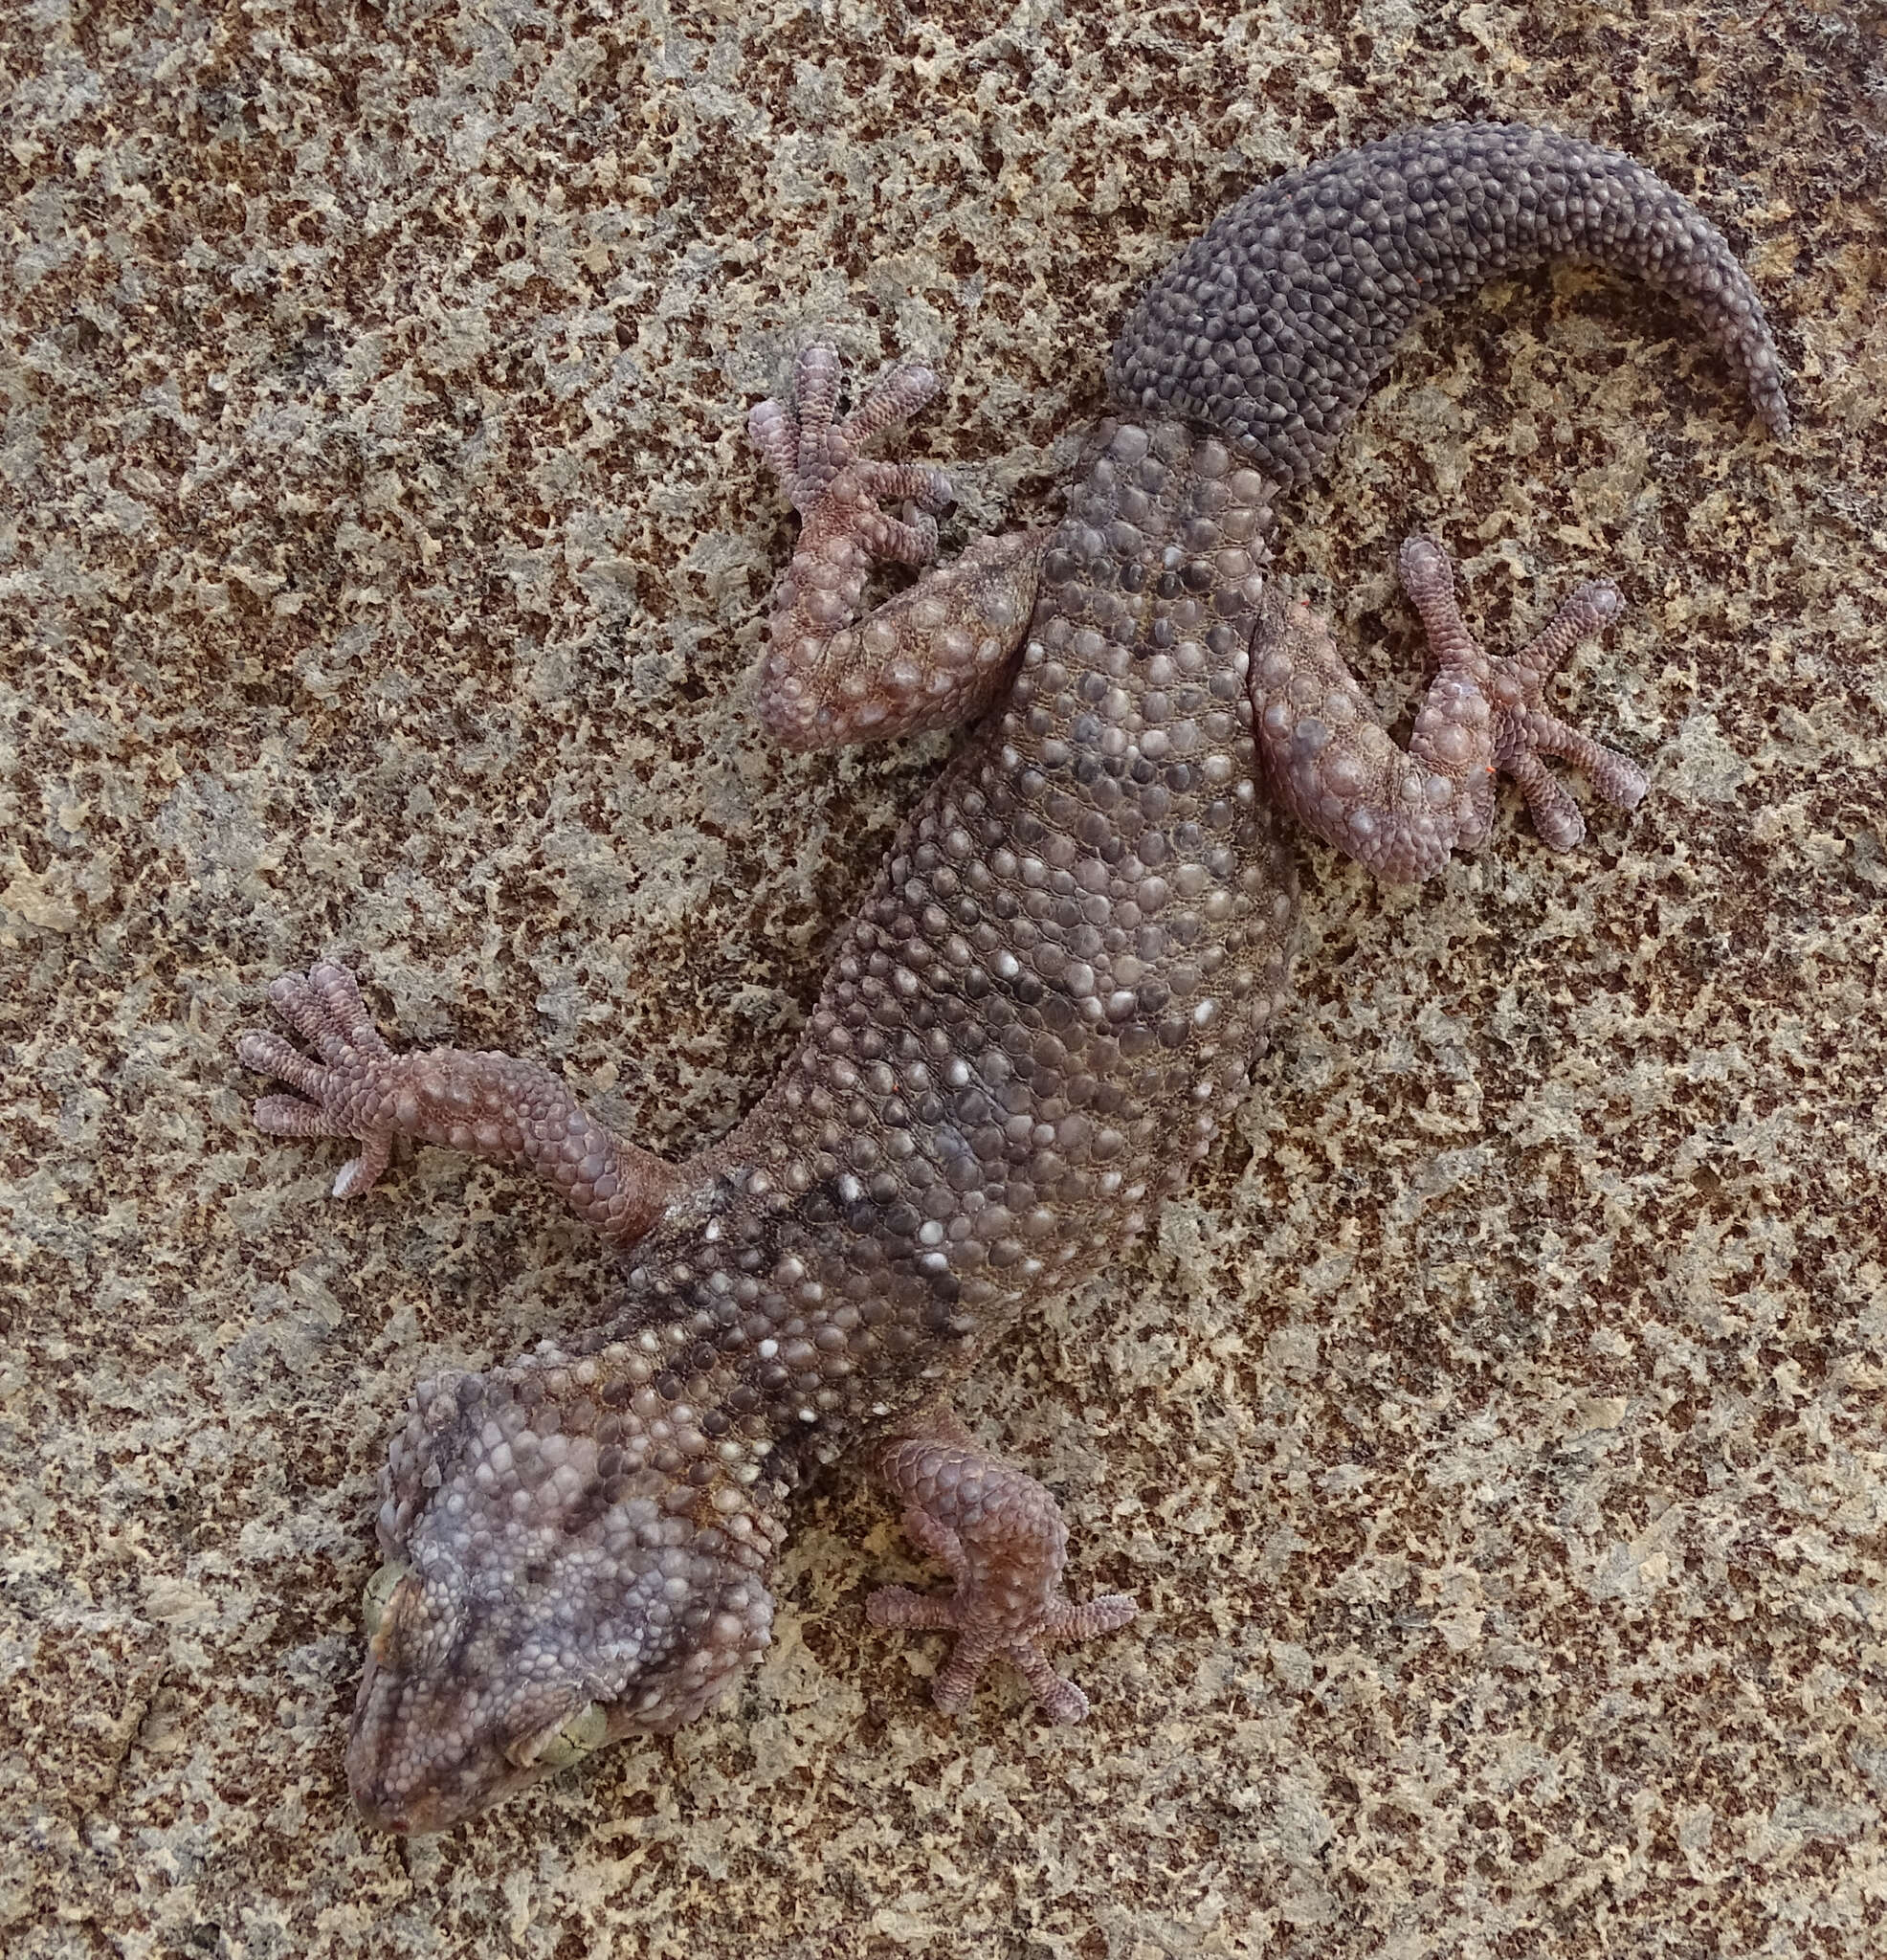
point(497, 1107)
point(345, 1094)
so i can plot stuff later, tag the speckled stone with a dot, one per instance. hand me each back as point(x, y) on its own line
point(1492, 1431)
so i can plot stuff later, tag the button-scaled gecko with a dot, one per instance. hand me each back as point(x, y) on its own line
point(1047, 1005)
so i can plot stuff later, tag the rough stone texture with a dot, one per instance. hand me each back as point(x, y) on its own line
point(1492, 1432)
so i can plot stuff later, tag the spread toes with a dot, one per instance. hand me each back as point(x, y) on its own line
point(999, 1534)
point(337, 1097)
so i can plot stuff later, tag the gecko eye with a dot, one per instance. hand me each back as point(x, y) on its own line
point(563, 1743)
point(377, 1592)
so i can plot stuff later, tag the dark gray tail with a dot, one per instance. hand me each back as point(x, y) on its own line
point(1273, 324)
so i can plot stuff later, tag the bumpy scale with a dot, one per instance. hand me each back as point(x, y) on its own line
point(1051, 999)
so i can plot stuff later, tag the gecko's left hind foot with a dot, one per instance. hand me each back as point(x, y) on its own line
point(1524, 733)
point(1329, 761)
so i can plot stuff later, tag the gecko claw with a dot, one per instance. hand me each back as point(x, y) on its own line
point(1000, 1535)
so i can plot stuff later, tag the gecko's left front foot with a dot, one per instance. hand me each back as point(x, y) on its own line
point(1000, 1536)
point(1331, 763)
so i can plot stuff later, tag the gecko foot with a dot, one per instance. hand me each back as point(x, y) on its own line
point(1524, 732)
point(494, 1107)
point(1400, 812)
point(817, 457)
point(1001, 1537)
point(339, 1093)
point(933, 656)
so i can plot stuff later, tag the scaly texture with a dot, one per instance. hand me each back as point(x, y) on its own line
point(930, 658)
point(1273, 324)
point(1048, 1004)
point(1399, 812)
point(1001, 1537)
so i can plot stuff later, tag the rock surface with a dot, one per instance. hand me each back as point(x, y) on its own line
point(1493, 1432)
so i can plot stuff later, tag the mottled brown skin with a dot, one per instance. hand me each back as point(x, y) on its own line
point(1047, 1005)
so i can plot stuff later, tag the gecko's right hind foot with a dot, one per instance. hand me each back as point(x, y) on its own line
point(929, 656)
point(817, 456)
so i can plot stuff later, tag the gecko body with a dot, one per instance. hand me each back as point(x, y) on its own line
point(1046, 1007)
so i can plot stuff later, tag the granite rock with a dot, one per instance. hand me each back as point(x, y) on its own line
point(1492, 1432)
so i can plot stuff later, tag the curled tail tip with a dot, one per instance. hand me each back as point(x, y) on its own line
point(1771, 399)
point(1274, 324)
point(1758, 365)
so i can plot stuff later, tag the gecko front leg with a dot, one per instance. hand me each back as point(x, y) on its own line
point(485, 1104)
point(1001, 1537)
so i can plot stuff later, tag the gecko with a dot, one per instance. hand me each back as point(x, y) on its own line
point(1046, 1007)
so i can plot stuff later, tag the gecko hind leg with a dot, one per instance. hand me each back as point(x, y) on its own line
point(1001, 1537)
point(932, 656)
point(808, 444)
point(1400, 812)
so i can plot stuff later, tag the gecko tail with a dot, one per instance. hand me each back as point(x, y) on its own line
point(1274, 324)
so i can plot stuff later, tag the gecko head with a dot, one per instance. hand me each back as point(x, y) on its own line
point(538, 1604)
